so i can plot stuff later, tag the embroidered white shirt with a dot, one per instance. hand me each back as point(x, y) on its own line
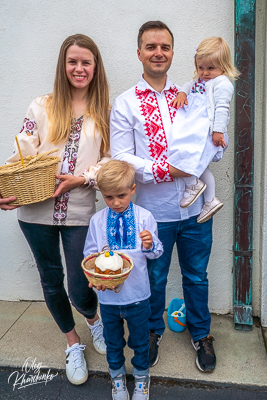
point(219, 95)
point(132, 141)
point(102, 232)
point(77, 206)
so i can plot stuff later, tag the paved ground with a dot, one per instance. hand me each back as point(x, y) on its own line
point(27, 331)
point(98, 387)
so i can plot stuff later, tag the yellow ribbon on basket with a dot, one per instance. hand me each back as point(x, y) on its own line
point(21, 158)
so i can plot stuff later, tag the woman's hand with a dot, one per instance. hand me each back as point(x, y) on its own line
point(218, 139)
point(4, 203)
point(67, 183)
point(147, 240)
point(180, 100)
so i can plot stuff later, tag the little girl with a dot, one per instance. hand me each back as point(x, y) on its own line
point(200, 125)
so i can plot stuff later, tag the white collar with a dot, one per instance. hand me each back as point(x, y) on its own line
point(143, 85)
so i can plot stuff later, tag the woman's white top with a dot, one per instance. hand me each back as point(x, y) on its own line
point(191, 145)
point(102, 232)
point(80, 153)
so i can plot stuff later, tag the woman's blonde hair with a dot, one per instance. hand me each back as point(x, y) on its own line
point(59, 106)
point(115, 175)
point(217, 50)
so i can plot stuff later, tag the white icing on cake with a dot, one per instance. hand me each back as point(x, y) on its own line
point(113, 263)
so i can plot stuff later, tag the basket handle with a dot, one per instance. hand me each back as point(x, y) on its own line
point(119, 286)
point(105, 248)
point(40, 157)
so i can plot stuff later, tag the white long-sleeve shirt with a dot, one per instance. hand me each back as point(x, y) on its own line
point(102, 231)
point(140, 129)
point(80, 153)
point(219, 95)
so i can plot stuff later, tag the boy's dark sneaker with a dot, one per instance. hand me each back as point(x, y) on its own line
point(206, 359)
point(154, 342)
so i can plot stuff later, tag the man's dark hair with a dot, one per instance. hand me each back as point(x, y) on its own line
point(152, 25)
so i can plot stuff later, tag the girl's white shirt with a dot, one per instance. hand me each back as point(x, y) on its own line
point(219, 92)
point(81, 203)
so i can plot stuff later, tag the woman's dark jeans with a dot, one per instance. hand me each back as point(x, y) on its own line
point(44, 243)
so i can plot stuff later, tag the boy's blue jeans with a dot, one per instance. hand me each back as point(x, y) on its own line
point(193, 243)
point(136, 315)
point(44, 243)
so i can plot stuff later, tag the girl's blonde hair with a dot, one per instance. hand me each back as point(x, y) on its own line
point(217, 50)
point(59, 106)
point(116, 176)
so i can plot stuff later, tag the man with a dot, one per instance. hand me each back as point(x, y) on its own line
point(141, 122)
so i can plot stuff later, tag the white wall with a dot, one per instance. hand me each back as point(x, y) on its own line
point(31, 35)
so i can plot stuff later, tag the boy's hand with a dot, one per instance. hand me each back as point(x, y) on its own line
point(147, 240)
point(180, 100)
point(218, 139)
point(100, 287)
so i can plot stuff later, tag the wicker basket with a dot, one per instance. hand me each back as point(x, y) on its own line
point(88, 266)
point(30, 184)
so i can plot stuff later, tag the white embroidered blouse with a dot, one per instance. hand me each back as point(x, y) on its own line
point(103, 230)
point(140, 128)
point(80, 153)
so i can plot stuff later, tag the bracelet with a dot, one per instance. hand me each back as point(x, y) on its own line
point(88, 183)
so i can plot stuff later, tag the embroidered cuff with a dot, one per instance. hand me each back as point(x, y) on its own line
point(150, 250)
point(88, 183)
point(161, 172)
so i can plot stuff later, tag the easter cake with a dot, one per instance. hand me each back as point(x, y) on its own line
point(108, 263)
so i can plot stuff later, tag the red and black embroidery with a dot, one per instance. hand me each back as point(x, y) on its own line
point(154, 130)
point(28, 126)
point(68, 167)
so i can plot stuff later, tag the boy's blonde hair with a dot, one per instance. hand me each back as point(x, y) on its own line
point(115, 175)
point(218, 51)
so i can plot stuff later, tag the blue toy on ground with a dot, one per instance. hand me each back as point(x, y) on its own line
point(177, 315)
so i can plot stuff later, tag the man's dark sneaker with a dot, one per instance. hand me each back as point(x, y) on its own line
point(206, 359)
point(154, 342)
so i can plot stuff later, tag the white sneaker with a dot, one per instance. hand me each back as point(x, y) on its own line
point(193, 192)
point(97, 334)
point(209, 209)
point(76, 368)
point(119, 389)
point(141, 390)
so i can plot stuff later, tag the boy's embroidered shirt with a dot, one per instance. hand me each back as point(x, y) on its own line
point(102, 231)
point(121, 229)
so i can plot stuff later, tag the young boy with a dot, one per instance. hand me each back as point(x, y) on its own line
point(131, 229)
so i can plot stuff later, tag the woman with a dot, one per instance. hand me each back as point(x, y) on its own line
point(75, 120)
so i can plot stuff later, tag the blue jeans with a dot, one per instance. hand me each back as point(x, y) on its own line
point(44, 243)
point(136, 315)
point(193, 243)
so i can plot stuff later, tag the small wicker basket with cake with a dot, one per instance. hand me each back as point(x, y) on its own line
point(108, 268)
